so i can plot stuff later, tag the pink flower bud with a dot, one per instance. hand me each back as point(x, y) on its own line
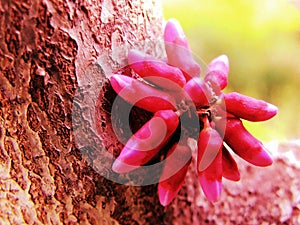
point(178, 51)
point(178, 160)
point(155, 71)
point(147, 141)
point(245, 145)
point(209, 162)
point(211, 179)
point(229, 166)
point(249, 108)
point(174, 34)
point(209, 143)
point(217, 72)
point(142, 95)
point(198, 91)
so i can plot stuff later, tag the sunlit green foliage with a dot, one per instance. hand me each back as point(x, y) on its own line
point(262, 41)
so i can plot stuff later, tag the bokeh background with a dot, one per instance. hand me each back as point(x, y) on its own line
point(262, 40)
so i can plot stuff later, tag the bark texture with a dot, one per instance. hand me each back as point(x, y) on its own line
point(54, 56)
point(48, 51)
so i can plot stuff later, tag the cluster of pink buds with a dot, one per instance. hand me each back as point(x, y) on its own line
point(172, 89)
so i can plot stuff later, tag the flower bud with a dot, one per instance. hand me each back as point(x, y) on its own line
point(209, 143)
point(156, 71)
point(147, 141)
point(211, 178)
point(142, 95)
point(178, 160)
point(178, 51)
point(217, 73)
point(249, 108)
point(198, 91)
point(245, 145)
point(229, 166)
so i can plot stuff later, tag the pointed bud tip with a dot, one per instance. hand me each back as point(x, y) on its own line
point(165, 195)
point(173, 20)
point(221, 63)
point(113, 77)
point(236, 176)
point(118, 82)
point(115, 83)
point(174, 23)
point(116, 79)
point(272, 109)
point(121, 167)
point(233, 176)
point(173, 30)
point(222, 58)
point(211, 189)
point(263, 159)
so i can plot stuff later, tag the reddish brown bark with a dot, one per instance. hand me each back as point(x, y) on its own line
point(48, 49)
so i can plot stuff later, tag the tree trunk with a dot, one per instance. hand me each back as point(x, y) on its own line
point(55, 58)
point(48, 53)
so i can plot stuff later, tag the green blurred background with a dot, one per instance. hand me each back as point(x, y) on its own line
point(262, 40)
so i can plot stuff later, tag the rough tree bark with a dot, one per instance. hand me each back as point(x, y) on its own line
point(47, 49)
point(51, 52)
